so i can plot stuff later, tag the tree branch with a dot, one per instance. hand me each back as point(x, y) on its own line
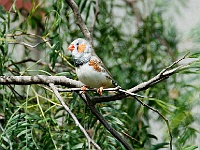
point(90, 104)
point(79, 20)
point(62, 80)
point(73, 117)
point(40, 79)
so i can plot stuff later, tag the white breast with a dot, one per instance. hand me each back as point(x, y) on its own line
point(87, 75)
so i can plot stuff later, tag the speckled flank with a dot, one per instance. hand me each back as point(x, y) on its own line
point(95, 65)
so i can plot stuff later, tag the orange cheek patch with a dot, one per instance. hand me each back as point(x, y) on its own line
point(81, 48)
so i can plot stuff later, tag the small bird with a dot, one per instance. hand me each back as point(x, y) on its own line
point(89, 67)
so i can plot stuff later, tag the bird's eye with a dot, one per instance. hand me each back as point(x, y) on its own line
point(77, 44)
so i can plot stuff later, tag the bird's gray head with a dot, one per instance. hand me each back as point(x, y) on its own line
point(81, 51)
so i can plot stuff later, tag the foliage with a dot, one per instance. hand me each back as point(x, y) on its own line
point(32, 118)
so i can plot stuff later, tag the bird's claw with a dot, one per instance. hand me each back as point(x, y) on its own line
point(83, 89)
point(100, 90)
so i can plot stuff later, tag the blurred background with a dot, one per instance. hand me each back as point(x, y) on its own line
point(135, 39)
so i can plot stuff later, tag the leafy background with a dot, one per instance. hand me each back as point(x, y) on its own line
point(134, 43)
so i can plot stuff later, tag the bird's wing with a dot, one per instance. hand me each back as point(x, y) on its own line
point(104, 69)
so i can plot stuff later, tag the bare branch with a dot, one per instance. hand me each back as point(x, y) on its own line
point(174, 63)
point(28, 60)
point(79, 20)
point(73, 117)
point(90, 104)
point(27, 45)
point(40, 79)
point(130, 136)
point(166, 120)
point(95, 90)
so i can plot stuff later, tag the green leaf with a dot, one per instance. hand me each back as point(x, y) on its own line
point(159, 146)
point(152, 136)
point(84, 2)
point(191, 148)
point(78, 146)
point(54, 53)
point(195, 55)
point(24, 132)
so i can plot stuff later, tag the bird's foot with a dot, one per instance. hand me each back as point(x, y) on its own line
point(83, 88)
point(100, 90)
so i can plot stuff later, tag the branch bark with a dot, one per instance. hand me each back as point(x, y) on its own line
point(53, 87)
point(91, 105)
point(40, 79)
point(79, 20)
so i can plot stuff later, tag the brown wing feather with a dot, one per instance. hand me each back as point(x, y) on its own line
point(104, 69)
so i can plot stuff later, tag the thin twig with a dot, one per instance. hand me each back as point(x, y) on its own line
point(22, 33)
point(166, 120)
point(80, 89)
point(128, 93)
point(73, 117)
point(95, 90)
point(49, 65)
point(126, 134)
point(32, 46)
point(174, 63)
point(155, 110)
point(27, 60)
point(13, 41)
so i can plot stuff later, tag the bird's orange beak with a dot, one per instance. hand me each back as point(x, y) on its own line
point(71, 47)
